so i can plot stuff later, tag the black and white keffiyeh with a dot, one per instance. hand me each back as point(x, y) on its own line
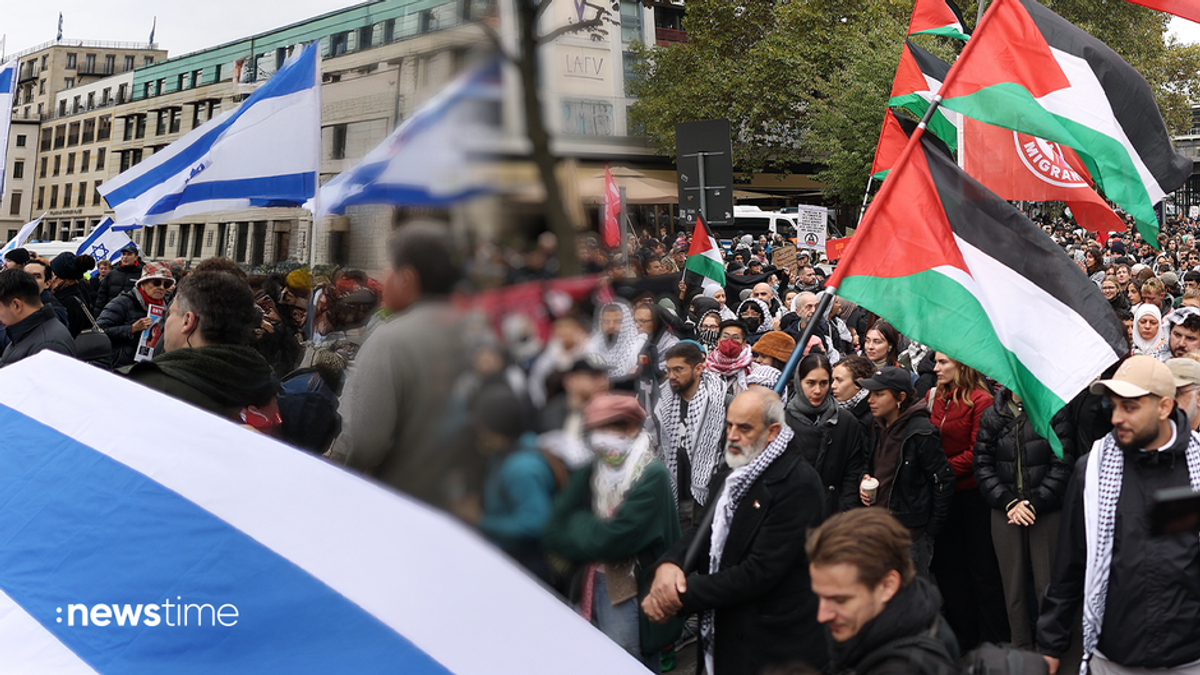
point(699, 435)
point(854, 400)
point(765, 325)
point(737, 484)
point(622, 355)
point(1101, 492)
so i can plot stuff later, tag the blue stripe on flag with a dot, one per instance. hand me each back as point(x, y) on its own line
point(7, 77)
point(300, 187)
point(82, 528)
point(96, 234)
point(392, 193)
point(289, 80)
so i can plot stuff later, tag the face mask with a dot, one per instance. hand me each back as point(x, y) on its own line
point(610, 448)
point(708, 336)
point(752, 322)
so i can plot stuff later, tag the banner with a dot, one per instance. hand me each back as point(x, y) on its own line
point(835, 247)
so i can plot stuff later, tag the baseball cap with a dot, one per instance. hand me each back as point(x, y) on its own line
point(1139, 376)
point(1185, 371)
point(888, 377)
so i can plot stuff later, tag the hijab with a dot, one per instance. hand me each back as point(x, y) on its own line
point(1155, 344)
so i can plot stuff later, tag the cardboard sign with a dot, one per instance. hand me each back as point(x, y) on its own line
point(835, 247)
point(785, 258)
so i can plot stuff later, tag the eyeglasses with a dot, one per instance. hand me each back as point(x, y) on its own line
point(160, 282)
point(736, 337)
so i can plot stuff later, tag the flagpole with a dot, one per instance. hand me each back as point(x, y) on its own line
point(866, 196)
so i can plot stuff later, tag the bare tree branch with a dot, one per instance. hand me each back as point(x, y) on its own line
point(542, 7)
point(570, 28)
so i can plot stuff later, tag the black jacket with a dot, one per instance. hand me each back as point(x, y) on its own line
point(835, 447)
point(908, 637)
point(37, 332)
point(766, 612)
point(924, 482)
point(117, 321)
point(70, 298)
point(1012, 462)
point(866, 421)
point(1153, 600)
point(120, 279)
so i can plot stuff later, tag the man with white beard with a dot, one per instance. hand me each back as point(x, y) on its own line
point(750, 581)
point(1186, 372)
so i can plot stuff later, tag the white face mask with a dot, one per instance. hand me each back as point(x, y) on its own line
point(610, 448)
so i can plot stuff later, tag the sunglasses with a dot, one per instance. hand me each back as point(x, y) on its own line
point(160, 282)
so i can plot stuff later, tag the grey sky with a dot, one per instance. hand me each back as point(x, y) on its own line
point(182, 27)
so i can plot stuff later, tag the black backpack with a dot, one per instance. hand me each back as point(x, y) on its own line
point(308, 409)
point(93, 345)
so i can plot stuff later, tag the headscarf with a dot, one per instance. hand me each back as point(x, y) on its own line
point(622, 355)
point(1155, 345)
point(710, 291)
point(764, 326)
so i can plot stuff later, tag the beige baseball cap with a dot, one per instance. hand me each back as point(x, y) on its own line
point(1185, 371)
point(1139, 376)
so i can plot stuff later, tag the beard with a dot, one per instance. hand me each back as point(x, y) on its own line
point(681, 386)
point(745, 454)
point(1141, 439)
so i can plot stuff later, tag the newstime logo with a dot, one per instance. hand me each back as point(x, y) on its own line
point(173, 614)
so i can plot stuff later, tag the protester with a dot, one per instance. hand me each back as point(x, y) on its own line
point(70, 291)
point(756, 316)
point(882, 344)
point(709, 330)
point(393, 408)
point(965, 565)
point(615, 518)
point(1149, 336)
point(39, 268)
point(586, 379)
point(914, 482)
point(732, 360)
point(651, 321)
point(123, 277)
point(881, 616)
point(206, 359)
point(1023, 482)
point(569, 342)
point(1183, 328)
point(1140, 593)
point(750, 580)
point(617, 340)
point(31, 326)
point(829, 436)
point(103, 267)
point(1186, 372)
point(16, 259)
point(129, 314)
point(849, 395)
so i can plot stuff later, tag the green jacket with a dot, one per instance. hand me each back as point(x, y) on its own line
point(645, 526)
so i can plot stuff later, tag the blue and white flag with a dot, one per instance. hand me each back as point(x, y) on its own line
point(59, 38)
point(265, 152)
point(143, 535)
point(104, 243)
point(22, 235)
point(424, 162)
point(8, 84)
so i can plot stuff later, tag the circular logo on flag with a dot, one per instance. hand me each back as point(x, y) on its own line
point(1045, 160)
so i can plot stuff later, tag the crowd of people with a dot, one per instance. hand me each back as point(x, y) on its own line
point(889, 511)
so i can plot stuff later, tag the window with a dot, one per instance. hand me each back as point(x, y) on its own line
point(44, 62)
point(176, 119)
point(100, 159)
point(184, 231)
point(82, 198)
point(89, 130)
point(339, 43)
point(198, 239)
point(364, 37)
point(104, 132)
point(106, 96)
point(137, 156)
point(389, 31)
point(42, 173)
point(18, 171)
point(339, 142)
point(208, 242)
point(57, 164)
point(54, 196)
point(76, 104)
point(62, 108)
point(73, 134)
point(47, 138)
point(70, 163)
point(129, 124)
point(126, 156)
point(71, 61)
point(20, 140)
point(60, 136)
point(160, 123)
point(42, 87)
point(96, 198)
point(122, 93)
point(128, 64)
point(425, 21)
point(140, 131)
point(147, 60)
point(110, 62)
point(630, 61)
point(89, 63)
point(68, 82)
point(41, 197)
point(631, 20)
point(66, 196)
point(85, 158)
point(15, 204)
point(183, 81)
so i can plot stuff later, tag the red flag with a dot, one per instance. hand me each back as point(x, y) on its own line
point(610, 228)
point(835, 247)
point(1019, 166)
point(1188, 9)
point(892, 140)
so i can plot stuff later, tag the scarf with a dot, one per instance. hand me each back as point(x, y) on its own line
point(622, 355)
point(1101, 492)
point(816, 415)
point(232, 375)
point(610, 484)
point(854, 400)
point(732, 369)
point(708, 337)
point(699, 434)
point(737, 484)
point(1155, 345)
point(765, 324)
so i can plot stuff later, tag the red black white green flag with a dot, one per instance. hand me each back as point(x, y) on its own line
point(1027, 69)
point(919, 78)
point(953, 266)
point(704, 266)
point(892, 138)
point(1188, 9)
point(938, 17)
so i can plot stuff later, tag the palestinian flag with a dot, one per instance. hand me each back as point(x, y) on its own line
point(704, 266)
point(938, 17)
point(1029, 70)
point(1188, 9)
point(919, 78)
point(955, 267)
point(892, 139)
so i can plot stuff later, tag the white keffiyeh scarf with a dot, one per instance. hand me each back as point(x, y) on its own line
point(699, 434)
point(1101, 492)
point(622, 355)
point(737, 484)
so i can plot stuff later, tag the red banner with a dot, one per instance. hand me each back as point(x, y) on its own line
point(835, 247)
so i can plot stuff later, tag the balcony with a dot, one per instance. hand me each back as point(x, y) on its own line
point(669, 36)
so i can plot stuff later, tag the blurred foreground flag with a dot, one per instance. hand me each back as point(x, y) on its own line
point(8, 84)
point(424, 162)
point(265, 152)
point(142, 535)
point(104, 243)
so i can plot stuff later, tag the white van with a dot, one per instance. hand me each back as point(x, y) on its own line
point(755, 222)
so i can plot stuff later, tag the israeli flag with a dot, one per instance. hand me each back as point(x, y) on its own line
point(424, 162)
point(104, 243)
point(8, 84)
point(143, 535)
point(265, 152)
point(22, 235)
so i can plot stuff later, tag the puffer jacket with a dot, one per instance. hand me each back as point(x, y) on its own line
point(40, 331)
point(1013, 462)
point(117, 321)
point(924, 482)
point(120, 279)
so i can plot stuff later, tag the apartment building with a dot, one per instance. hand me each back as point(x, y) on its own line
point(19, 177)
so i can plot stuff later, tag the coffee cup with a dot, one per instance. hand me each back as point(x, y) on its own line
point(870, 486)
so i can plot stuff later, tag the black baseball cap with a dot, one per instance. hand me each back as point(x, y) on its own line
point(589, 363)
point(888, 377)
